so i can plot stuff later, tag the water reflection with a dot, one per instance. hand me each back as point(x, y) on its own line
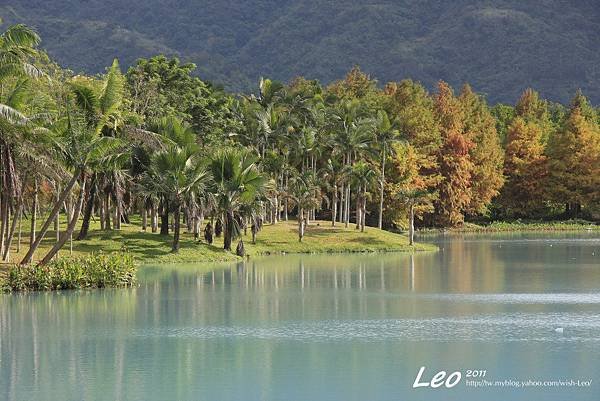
point(335, 327)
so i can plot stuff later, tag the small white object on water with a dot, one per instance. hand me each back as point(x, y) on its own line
point(559, 330)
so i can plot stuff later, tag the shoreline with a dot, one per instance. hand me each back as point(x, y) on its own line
point(278, 239)
point(516, 227)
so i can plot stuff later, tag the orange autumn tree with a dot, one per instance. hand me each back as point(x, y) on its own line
point(525, 167)
point(574, 159)
point(414, 163)
point(455, 165)
point(486, 155)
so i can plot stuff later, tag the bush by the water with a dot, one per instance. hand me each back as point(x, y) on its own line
point(93, 271)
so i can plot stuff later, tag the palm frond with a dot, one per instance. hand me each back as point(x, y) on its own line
point(112, 93)
point(12, 115)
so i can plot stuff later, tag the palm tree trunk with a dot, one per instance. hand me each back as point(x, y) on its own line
point(154, 218)
point(228, 234)
point(164, 218)
point(13, 227)
point(176, 227)
point(300, 224)
point(53, 213)
point(116, 217)
point(3, 220)
point(57, 217)
point(363, 213)
point(347, 206)
point(199, 221)
point(411, 224)
point(20, 231)
point(286, 205)
point(89, 208)
point(70, 227)
point(358, 206)
point(101, 212)
point(341, 207)
point(381, 188)
point(106, 217)
point(334, 206)
point(144, 217)
point(34, 208)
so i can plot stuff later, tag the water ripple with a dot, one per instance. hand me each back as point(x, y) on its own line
point(556, 298)
point(539, 327)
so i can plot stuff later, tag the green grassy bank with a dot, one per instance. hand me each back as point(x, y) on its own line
point(148, 247)
point(523, 226)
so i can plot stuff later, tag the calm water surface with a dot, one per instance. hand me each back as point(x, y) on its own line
point(342, 327)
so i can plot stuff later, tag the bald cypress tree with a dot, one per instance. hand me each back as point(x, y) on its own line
point(455, 165)
point(486, 154)
point(525, 164)
point(525, 169)
point(574, 159)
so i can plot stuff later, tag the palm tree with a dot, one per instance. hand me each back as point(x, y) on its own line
point(412, 198)
point(334, 175)
point(363, 175)
point(385, 136)
point(236, 181)
point(178, 174)
point(79, 147)
point(353, 133)
point(17, 46)
point(13, 124)
point(102, 110)
point(175, 173)
point(306, 194)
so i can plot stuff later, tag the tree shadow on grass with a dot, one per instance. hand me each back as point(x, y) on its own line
point(367, 241)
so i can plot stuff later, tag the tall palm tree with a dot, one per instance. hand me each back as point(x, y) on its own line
point(386, 134)
point(306, 194)
point(413, 197)
point(353, 134)
point(79, 147)
point(363, 174)
point(177, 173)
point(17, 46)
point(334, 175)
point(236, 181)
point(101, 107)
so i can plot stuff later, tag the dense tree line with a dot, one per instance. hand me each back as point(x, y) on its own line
point(161, 142)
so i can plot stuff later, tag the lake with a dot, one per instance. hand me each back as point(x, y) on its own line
point(329, 327)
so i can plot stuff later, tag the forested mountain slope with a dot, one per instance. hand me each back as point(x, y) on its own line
point(499, 46)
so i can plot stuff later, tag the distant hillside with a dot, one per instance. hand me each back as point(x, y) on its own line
point(499, 46)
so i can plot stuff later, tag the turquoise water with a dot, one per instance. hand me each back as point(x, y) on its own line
point(339, 327)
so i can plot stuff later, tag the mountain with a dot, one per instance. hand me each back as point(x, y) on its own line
point(499, 46)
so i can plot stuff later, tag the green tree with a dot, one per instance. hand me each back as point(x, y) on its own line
point(386, 135)
point(306, 194)
point(178, 174)
point(79, 146)
point(237, 181)
point(161, 86)
point(363, 175)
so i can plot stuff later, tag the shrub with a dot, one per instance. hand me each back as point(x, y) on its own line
point(93, 271)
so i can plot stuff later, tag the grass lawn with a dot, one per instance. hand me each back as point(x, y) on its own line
point(147, 247)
